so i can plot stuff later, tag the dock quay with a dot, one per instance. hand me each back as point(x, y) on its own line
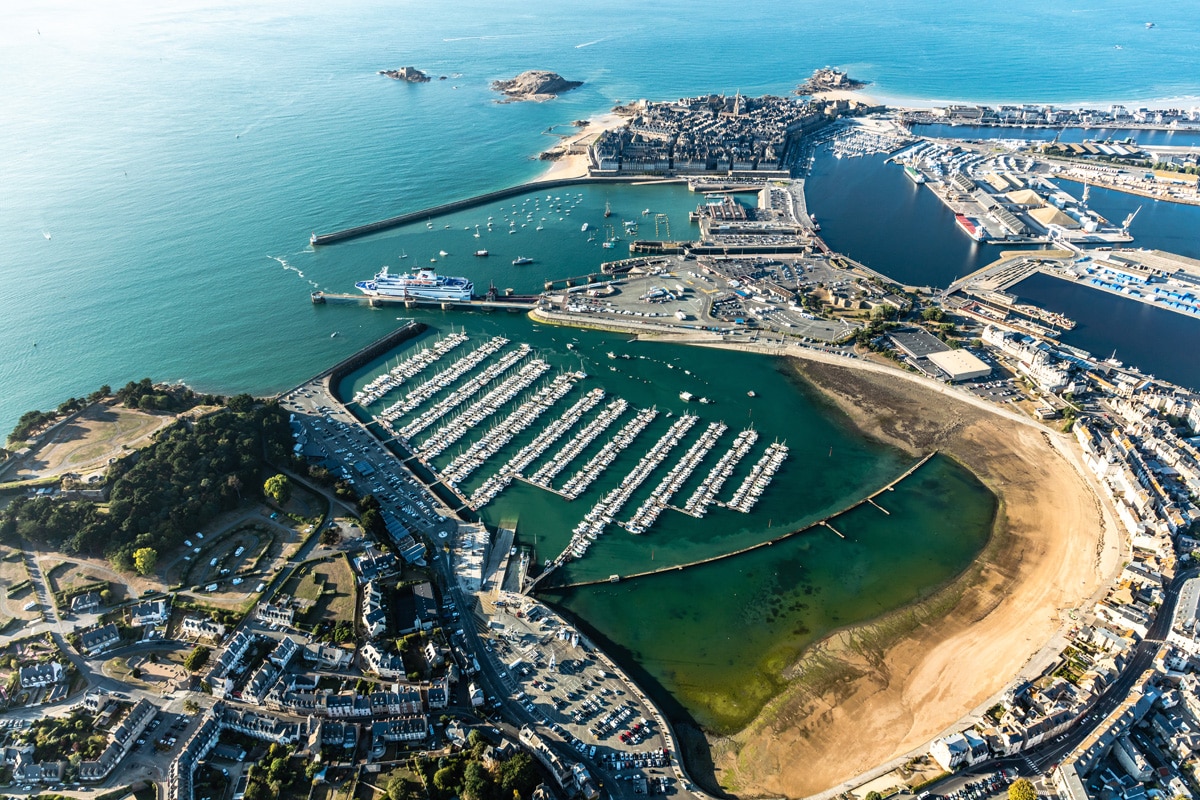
point(594, 468)
point(467, 421)
point(499, 481)
point(409, 368)
point(825, 522)
point(334, 237)
point(706, 493)
point(659, 499)
point(340, 370)
point(525, 415)
point(521, 303)
point(462, 394)
point(568, 452)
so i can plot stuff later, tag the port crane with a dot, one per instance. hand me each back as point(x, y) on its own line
point(1129, 220)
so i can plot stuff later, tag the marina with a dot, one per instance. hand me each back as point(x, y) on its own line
point(526, 414)
point(605, 511)
point(578, 483)
point(462, 394)
point(481, 410)
point(534, 450)
point(759, 479)
point(409, 368)
point(590, 432)
point(443, 379)
point(647, 514)
point(706, 493)
point(821, 523)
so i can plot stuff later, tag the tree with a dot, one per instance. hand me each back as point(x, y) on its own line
point(144, 559)
point(398, 788)
point(196, 659)
point(445, 779)
point(190, 706)
point(477, 782)
point(278, 488)
point(519, 776)
point(1022, 789)
point(873, 796)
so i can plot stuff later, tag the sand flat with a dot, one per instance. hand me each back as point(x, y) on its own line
point(1054, 546)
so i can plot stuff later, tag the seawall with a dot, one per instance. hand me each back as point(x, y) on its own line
point(458, 205)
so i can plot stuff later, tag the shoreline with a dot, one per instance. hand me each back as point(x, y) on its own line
point(576, 166)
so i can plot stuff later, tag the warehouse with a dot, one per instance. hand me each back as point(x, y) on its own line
point(960, 365)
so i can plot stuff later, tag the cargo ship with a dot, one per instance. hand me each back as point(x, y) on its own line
point(913, 174)
point(972, 227)
point(425, 284)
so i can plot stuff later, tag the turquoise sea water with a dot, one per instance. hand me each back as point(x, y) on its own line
point(163, 165)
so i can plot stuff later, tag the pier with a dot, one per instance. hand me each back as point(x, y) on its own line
point(521, 303)
point(457, 205)
point(721, 557)
point(560, 460)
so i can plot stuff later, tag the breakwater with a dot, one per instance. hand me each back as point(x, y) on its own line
point(457, 205)
point(340, 370)
point(824, 522)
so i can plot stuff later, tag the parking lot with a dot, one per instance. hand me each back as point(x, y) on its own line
point(557, 679)
point(355, 456)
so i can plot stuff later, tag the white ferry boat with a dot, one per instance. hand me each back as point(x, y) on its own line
point(424, 284)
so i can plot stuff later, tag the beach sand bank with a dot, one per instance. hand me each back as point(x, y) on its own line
point(576, 165)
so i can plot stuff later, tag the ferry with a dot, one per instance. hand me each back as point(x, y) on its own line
point(424, 284)
point(913, 174)
point(972, 227)
point(519, 260)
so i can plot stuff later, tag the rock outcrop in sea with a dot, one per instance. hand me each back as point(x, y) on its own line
point(828, 79)
point(534, 84)
point(410, 74)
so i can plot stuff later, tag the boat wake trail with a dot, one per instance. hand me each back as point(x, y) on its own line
point(589, 44)
point(283, 263)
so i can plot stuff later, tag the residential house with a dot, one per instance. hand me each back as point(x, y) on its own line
point(98, 640)
point(202, 628)
point(36, 676)
point(150, 612)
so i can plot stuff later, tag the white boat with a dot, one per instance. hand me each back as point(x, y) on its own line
point(584, 227)
point(481, 253)
point(443, 253)
point(424, 284)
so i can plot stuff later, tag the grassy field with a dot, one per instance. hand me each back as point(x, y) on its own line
point(98, 434)
point(329, 586)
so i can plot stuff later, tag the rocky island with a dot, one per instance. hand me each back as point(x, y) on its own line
point(828, 80)
point(410, 74)
point(534, 84)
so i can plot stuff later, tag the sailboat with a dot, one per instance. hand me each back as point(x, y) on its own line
point(607, 209)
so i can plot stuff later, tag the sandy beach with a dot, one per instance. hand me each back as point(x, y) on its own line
point(576, 166)
point(904, 680)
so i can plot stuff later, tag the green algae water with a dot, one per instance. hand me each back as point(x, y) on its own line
point(712, 642)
